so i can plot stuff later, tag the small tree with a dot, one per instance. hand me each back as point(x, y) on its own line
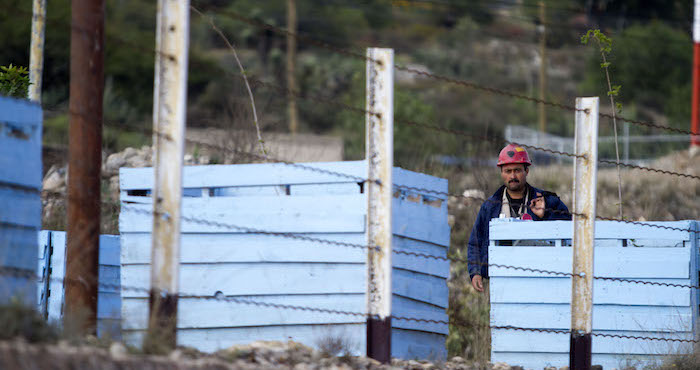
point(14, 81)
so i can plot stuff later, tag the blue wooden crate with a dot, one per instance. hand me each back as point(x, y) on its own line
point(20, 186)
point(51, 267)
point(542, 301)
point(282, 198)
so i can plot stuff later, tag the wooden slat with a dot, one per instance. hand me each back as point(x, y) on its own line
point(20, 208)
point(210, 340)
point(529, 360)
point(558, 290)
point(110, 247)
point(248, 175)
point(430, 266)
point(420, 287)
point(420, 180)
point(319, 214)
point(418, 221)
point(411, 344)
point(109, 306)
point(198, 313)
point(639, 263)
point(20, 143)
point(405, 307)
point(219, 248)
point(605, 317)
point(257, 278)
point(18, 247)
point(513, 230)
point(518, 341)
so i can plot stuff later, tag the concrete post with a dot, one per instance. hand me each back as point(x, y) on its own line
point(169, 108)
point(585, 178)
point(36, 50)
point(380, 162)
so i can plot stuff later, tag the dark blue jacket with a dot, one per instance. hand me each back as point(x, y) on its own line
point(478, 247)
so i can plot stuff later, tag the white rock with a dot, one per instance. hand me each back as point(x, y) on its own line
point(501, 366)
point(118, 351)
point(129, 152)
point(55, 179)
point(114, 162)
point(474, 193)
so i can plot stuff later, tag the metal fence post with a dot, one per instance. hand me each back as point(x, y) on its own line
point(36, 50)
point(585, 178)
point(84, 163)
point(380, 158)
point(169, 108)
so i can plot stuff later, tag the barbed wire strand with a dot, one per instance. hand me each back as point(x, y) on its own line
point(451, 80)
point(31, 275)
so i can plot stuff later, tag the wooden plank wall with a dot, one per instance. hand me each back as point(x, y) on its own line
point(224, 261)
point(20, 186)
point(52, 250)
point(542, 301)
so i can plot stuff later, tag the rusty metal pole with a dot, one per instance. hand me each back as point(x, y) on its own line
point(169, 109)
point(84, 163)
point(585, 178)
point(380, 162)
point(36, 50)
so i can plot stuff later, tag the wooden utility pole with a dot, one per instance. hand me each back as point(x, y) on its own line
point(695, 103)
point(169, 109)
point(291, 67)
point(380, 161)
point(36, 50)
point(84, 162)
point(585, 179)
point(542, 28)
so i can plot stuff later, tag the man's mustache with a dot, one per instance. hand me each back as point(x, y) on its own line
point(516, 181)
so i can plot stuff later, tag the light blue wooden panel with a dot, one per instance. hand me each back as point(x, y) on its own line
point(211, 340)
point(558, 290)
point(109, 278)
point(420, 180)
point(18, 247)
point(256, 278)
point(200, 313)
point(605, 317)
point(108, 297)
point(406, 307)
point(319, 214)
point(639, 263)
point(203, 248)
point(20, 142)
point(109, 328)
point(247, 191)
point(108, 305)
point(316, 189)
point(248, 175)
point(518, 341)
point(430, 266)
point(421, 287)
point(110, 250)
point(20, 208)
point(411, 344)
point(418, 221)
point(540, 360)
point(20, 288)
point(509, 230)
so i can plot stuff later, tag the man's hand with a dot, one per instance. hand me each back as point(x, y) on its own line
point(537, 206)
point(478, 283)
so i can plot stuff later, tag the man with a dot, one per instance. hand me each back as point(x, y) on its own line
point(516, 198)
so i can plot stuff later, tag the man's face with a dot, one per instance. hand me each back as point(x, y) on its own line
point(514, 176)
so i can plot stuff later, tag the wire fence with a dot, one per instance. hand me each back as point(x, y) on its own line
point(317, 98)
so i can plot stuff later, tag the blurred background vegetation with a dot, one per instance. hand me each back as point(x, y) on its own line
point(491, 42)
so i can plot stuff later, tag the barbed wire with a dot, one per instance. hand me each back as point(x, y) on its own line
point(447, 79)
point(650, 169)
point(31, 275)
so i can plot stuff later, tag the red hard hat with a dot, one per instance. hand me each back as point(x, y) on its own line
point(512, 154)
